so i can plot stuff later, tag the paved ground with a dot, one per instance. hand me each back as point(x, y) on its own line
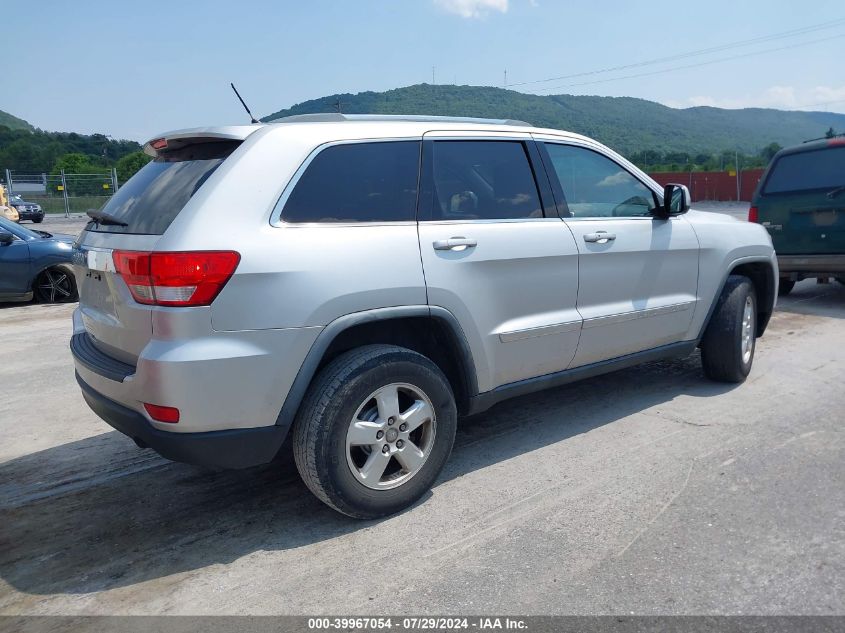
point(57, 223)
point(649, 491)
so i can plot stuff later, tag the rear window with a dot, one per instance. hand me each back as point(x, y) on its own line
point(152, 198)
point(358, 182)
point(805, 171)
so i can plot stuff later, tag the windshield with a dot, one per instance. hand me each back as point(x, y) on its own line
point(153, 197)
point(16, 229)
point(818, 169)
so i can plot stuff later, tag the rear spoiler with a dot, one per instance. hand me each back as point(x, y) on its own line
point(181, 138)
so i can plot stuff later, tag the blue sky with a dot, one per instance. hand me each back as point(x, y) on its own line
point(134, 69)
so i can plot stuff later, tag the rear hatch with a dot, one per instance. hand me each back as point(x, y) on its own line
point(801, 200)
point(133, 220)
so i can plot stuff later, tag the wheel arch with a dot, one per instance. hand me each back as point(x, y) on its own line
point(763, 276)
point(431, 331)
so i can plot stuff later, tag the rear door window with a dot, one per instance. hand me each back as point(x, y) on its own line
point(152, 198)
point(806, 171)
point(482, 180)
point(357, 182)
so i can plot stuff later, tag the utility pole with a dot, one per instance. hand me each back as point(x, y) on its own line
point(506, 78)
point(64, 194)
point(433, 83)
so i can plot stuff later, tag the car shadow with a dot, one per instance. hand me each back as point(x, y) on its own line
point(15, 304)
point(814, 299)
point(98, 513)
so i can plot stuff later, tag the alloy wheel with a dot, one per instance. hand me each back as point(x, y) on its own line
point(53, 285)
point(747, 330)
point(391, 436)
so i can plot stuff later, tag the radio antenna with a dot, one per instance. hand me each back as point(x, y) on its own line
point(243, 103)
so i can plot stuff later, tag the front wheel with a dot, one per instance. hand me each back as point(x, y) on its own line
point(56, 285)
point(375, 430)
point(727, 348)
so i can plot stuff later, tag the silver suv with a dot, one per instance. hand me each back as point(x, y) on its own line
point(361, 281)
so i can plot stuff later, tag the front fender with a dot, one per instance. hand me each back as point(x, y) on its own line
point(725, 244)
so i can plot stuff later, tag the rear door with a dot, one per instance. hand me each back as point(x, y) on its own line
point(638, 275)
point(496, 254)
point(802, 202)
point(144, 208)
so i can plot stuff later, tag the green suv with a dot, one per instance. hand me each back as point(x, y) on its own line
point(801, 202)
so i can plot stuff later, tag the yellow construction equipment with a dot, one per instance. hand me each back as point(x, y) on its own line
point(7, 211)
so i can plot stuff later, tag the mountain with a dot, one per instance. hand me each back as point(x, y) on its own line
point(13, 122)
point(627, 124)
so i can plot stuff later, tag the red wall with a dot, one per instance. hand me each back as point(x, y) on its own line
point(713, 185)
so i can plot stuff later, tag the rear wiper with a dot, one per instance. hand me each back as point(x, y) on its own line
point(100, 217)
point(835, 192)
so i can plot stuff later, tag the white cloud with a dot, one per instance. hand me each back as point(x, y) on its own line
point(830, 98)
point(472, 8)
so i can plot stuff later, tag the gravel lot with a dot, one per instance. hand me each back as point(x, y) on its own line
point(648, 491)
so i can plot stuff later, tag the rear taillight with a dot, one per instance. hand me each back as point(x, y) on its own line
point(753, 215)
point(192, 278)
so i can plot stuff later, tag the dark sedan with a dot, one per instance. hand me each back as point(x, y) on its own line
point(35, 263)
point(27, 210)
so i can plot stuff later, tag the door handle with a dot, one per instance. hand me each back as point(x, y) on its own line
point(599, 237)
point(454, 244)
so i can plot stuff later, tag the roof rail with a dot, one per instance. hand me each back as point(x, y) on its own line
point(420, 118)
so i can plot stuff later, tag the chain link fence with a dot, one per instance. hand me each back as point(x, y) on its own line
point(63, 193)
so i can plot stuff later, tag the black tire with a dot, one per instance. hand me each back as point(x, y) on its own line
point(55, 285)
point(841, 280)
point(785, 287)
point(38, 220)
point(722, 354)
point(324, 418)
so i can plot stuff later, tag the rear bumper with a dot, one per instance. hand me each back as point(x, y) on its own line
point(233, 448)
point(811, 264)
point(219, 381)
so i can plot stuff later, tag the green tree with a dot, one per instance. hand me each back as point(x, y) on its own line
point(77, 164)
point(768, 152)
point(129, 164)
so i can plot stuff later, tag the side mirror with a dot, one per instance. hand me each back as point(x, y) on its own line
point(6, 238)
point(676, 200)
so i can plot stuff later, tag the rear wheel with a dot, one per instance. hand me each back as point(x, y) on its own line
point(727, 348)
point(375, 430)
point(56, 285)
point(785, 287)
